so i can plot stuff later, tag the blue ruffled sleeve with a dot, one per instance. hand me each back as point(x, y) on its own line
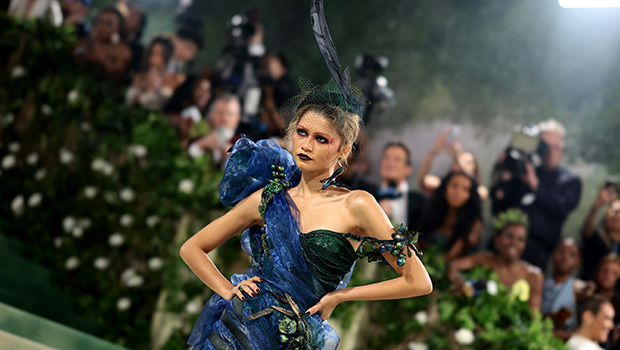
point(248, 169)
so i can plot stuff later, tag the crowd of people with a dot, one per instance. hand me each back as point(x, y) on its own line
point(531, 194)
point(531, 198)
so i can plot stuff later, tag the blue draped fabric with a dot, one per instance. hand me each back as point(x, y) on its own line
point(284, 270)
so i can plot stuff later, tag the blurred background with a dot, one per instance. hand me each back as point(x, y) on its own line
point(115, 118)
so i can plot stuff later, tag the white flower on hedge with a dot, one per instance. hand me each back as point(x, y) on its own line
point(66, 157)
point(102, 166)
point(97, 164)
point(110, 197)
point(186, 186)
point(17, 205)
point(152, 220)
point(126, 220)
point(101, 263)
point(84, 223)
point(8, 161)
point(68, 223)
point(90, 191)
point(32, 158)
point(8, 119)
point(35, 200)
point(46, 109)
point(18, 72)
point(135, 281)
point(416, 345)
point(72, 96)
point(421, 317)
point(155, 263)
point(58, 242)
point(464, 336)
point(116, 239)
point(40, 174)
point(492, 287)
point(127, 274)
point(137, 150)
point(72, 263)
point(127, 194)
point(108, 169)
point(193, 307)
point(195, 151)
point(123, 303)
point(85, 126)
point(14, 147)
point(77, 232)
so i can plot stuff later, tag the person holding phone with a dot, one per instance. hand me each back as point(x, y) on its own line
point(463, 160)
point(598, 242)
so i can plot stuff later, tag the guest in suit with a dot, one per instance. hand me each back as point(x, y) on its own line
point(394, 195)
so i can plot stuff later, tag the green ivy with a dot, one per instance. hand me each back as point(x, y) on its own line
point(498, 321)
point(52, 107)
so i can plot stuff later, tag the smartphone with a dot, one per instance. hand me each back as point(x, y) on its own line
point(453, 133)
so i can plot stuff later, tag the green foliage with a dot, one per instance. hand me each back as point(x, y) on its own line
point(497, 318)
point(101, 194)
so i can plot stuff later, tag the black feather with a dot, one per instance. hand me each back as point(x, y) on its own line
point(328, 49)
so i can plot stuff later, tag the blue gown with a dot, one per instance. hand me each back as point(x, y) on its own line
point(297, 269)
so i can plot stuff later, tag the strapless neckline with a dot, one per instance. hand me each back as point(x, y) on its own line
point(340, 235)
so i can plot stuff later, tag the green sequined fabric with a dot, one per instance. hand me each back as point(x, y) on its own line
point(330, 255)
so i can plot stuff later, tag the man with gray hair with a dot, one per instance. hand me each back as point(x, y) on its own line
point(223, 116)
point(547, 194)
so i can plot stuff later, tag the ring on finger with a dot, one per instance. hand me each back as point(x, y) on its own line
point(240, 287)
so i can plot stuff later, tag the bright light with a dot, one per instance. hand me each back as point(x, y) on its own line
point(382, 81)
point(589, 3)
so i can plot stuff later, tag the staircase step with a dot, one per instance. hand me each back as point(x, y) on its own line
point(48, 333)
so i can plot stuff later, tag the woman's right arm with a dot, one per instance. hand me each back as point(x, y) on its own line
point(603, 197)
point(423, 175)
point(455, 267)
point(194, 250)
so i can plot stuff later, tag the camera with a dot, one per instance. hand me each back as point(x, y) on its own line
point(238, 32)
point(526, 145)
point(371, 82)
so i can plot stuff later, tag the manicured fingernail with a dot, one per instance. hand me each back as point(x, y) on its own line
point(242, 299)
point(308, 313)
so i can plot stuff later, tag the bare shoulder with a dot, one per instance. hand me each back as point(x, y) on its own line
point(249, 206)
point(360, 198)
point(533, 273)
point(484, 258)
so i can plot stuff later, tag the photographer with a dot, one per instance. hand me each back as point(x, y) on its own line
point(606, 239)
point(547, 193)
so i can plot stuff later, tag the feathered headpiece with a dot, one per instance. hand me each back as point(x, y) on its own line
point(338, 93)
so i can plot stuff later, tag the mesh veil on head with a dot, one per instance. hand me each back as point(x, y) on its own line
point(326, 98)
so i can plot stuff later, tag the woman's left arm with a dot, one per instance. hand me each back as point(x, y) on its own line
point(536, 291)
point(413, 281)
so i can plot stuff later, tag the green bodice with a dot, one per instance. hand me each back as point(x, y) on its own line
point(329, 256)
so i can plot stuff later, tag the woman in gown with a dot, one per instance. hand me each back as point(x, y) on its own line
point(303, 233)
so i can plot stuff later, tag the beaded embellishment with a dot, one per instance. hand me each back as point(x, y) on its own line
point(403, 241)
point(294, 331)
point(275, 186)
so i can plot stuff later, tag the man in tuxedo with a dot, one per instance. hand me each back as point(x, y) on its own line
point(400, 203)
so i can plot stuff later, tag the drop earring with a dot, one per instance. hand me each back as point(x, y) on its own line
point(332, 179)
